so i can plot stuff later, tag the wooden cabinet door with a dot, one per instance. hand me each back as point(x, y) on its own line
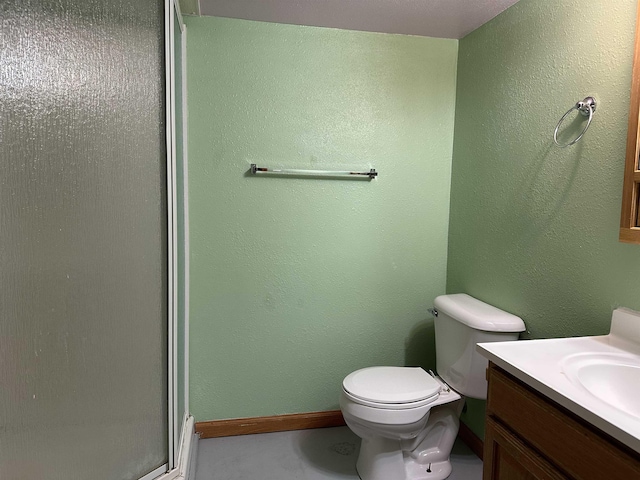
point(507, 458)
point(552, 435)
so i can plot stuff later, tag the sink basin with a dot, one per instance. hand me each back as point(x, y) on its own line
point(611, 378)
point(596, 378)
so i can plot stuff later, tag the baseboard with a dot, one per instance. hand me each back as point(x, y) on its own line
point(475, 444)
point(185, 468)
point(276, 423)
point(301, 421)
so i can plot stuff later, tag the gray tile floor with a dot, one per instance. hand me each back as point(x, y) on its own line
point(319, 454)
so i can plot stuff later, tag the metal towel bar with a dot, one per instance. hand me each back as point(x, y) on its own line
point(315, 173)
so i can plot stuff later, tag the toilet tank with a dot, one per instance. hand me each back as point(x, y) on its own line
point(461, 322)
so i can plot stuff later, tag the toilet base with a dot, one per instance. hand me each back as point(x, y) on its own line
point(377, 462)
point(380, 459)
point(412, 470)
point(425, 457)
point(432, 471)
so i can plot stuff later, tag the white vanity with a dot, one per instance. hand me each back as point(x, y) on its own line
point(565, 408)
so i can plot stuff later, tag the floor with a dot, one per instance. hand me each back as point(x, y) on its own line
point(319, 454)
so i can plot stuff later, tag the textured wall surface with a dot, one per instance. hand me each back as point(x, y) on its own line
point(189, 7)
point(297, 282)
point(534, 228)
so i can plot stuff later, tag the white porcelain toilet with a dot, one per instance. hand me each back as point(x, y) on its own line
point(406, 417)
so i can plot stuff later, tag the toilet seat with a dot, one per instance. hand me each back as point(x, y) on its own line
point(394, 388)
point(391, 406)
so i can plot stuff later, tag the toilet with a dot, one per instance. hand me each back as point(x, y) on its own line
point(407, 417)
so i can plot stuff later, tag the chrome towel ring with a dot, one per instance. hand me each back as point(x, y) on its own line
point(585, 107)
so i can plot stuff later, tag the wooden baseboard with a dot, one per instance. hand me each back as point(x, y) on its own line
point(301, 421)
point(276, 423)
point(471, 440)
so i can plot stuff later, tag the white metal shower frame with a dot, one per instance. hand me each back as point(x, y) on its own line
point(176, 438)
point(172, 12)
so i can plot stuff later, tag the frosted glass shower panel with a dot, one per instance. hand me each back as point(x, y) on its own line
point(83, 289)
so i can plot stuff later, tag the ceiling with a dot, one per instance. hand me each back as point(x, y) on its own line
point(432, 18)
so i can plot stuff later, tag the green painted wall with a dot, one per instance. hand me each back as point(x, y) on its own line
point(297, 282)
point(189, 7)
point(534, 228)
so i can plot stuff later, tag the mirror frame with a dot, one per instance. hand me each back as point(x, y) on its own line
point(629, 220)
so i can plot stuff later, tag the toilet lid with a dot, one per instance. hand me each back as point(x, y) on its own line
point(391, 384)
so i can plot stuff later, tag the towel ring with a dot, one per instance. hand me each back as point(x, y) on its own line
point(585, 107)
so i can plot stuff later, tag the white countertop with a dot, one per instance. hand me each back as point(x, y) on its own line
point(539, 364)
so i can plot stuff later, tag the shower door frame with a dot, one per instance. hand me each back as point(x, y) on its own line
point(179, 429)
point(177, 432)
point(172, 13)
point(171, 470)
point(168, 470)
point(175, 440)
point(172, 390)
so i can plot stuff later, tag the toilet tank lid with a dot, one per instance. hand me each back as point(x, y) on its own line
point(478, 315)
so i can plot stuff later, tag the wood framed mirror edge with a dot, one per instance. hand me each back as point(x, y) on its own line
point(629, 225)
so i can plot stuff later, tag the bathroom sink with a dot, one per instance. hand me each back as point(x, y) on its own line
point(611, 378)
point(596, 378)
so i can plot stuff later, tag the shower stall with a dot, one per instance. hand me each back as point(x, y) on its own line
point(89, 336)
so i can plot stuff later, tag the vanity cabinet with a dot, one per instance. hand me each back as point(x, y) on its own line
point(528, 436)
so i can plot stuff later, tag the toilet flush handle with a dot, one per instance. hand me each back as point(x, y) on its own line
point(433, 311)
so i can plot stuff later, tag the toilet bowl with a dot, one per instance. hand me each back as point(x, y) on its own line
point(394, 430)
point(406, 417)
